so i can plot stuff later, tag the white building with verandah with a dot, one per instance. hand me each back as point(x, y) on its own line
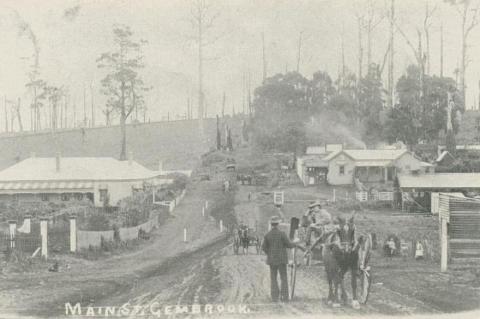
point(57, 179)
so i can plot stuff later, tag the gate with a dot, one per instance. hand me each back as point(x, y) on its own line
point(5, 243)
point(27, 243)
point(59, 236)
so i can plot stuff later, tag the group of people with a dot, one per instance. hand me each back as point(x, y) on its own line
point(317, 220)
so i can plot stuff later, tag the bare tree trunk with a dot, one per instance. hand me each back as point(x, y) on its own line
point(441, 50)
point(65, 121)
point(223, 105)
point(200, 68)
point(61, 115)
point(84, 107)
point(19, 115)
point(264, 58)
point(299, 53)
point(343, 60)
point(391, 83)
point(249, 96)
point(35, 109)
point(463, 62)
point(6, 114)
point(369, 45)
point(74, 114)
point(123, 128)
point(92, 104)
point(478, 105)
point(360, 48)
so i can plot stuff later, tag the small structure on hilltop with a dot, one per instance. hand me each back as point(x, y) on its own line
point(56, 179)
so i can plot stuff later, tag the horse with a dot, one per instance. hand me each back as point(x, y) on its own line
point(244, 239)
point(341, 254)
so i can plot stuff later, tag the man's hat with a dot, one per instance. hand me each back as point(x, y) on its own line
point(314, 204)
point(275, 220)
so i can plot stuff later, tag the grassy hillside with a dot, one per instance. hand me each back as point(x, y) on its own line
point(178, 143)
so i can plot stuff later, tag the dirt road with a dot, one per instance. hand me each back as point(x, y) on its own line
point(90, 281)
point(215, 275)
point(204, 271)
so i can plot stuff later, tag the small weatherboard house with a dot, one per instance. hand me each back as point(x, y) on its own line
point(57, 179)
point(345, 167)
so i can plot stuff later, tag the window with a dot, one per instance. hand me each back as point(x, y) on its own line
point(44, 197)
point(103, 195)
point(341, 169)
point(78, 196)
point(65, 197)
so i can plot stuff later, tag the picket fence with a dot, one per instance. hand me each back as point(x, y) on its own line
point(171, 204)
point(87, 238)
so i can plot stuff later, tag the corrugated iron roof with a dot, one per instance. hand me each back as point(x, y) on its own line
point(375, 154)
point(315, 162)
point(75, 169)
point(438, 181)
point(17, 186)
point(315, 150)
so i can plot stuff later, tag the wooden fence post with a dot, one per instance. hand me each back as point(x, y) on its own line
point(27, 223)
point(444, 246)
point(73, 233)
point(44, 236)
point(184, 235)
point(333, 199)
point(221, 226)
point(12, 227)
point(203, 211)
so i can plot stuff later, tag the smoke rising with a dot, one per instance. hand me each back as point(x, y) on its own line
point(71, 14)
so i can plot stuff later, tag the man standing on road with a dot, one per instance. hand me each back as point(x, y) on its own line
point(275, 246)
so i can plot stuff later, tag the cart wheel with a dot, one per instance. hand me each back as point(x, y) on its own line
point(365, 284)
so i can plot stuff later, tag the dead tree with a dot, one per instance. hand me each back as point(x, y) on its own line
point(469, 16)
point(299, 53)
point(426, 29)
point(202, 20)
point(264, 58)
point(372, 21)
point(361, 26)
point(441, 50)
point(391, 84)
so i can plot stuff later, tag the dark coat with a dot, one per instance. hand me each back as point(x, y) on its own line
point(275, 245)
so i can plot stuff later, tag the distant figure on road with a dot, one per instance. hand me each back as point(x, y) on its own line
point(275, 246)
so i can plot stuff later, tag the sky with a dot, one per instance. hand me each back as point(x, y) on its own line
point(71, 34)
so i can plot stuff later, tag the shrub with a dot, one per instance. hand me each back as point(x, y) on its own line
point(98, 222)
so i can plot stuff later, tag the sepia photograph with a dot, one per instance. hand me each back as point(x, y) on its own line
point(239, 159)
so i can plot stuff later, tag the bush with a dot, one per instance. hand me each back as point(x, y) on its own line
point(98, 222)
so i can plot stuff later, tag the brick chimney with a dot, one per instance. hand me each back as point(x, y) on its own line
point(57, 162)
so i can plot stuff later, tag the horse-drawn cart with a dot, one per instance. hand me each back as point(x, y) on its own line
point(357, 247)
point(244, 237)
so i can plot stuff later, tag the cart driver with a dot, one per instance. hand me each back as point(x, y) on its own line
point(319, 217)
